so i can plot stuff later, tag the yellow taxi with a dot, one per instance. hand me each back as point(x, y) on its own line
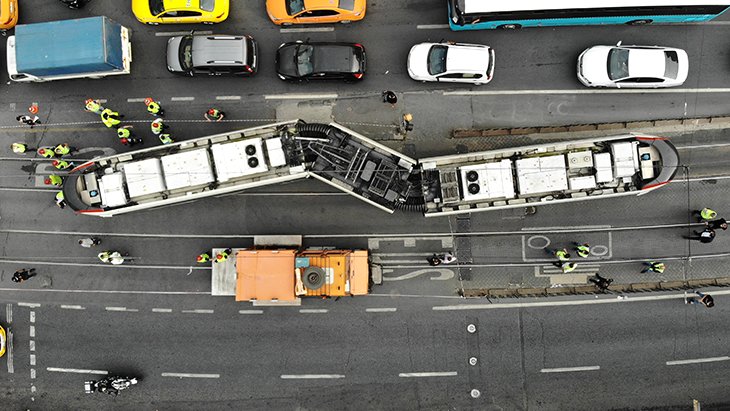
point(180, 11)
point(287, 12)
point(2, 341)
point(8, 14)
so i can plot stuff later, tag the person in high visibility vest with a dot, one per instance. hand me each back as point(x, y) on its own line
point(568, 267)
point(157, 126)
point(213, 114)
point(223, 255)
point(46, 152)
point(153, 107)
point(583, 250)
point(110, 118)
point(62, 149)
point(19, 148)
point(104, 256)
point(562, 255)
point(203, 258)
point(124, 132)
point(54, 180)
point(60, 164)
point(60, 200)
point(705, 214)
point(93, 106)
point(166, 139)
point(654, 267)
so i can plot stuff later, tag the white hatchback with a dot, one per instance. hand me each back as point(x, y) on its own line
point(451, 62)
point(633, 66)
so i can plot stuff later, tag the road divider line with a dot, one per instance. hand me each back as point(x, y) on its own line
point(73, 307)
point(77, 371)
point(162, 310)
point(427, 374)
point(323, 96)
point(250, 311)
point(9, 350)
point(228, 97)
point(198, 311)
point(182, 98)
point(32, 359)
point(179, 33)
point(698, 360)
point(381, 310)
point(122, 309)
point(312, 311)
point(136, 100)
point(31, 305)
point(571, 369)
point(432, 26)
point(310, 376)
point(32, 331)
point(582, 91)
point(306, 30)
point(188, 375)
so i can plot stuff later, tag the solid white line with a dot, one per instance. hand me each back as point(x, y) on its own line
point(37, 290)
point(312, 311)
point(123, 309)
point(187, 375)
point(135, 100)
point(9, 350)
point(228, 97)
point(306, 30)
point(380, 310)
point(77, 371)
point(310, 376)
point(250, 311)
point(427, 374)
point(583, 91)
point(73, 307)
point(182, 98)
point(431, 26)
point(571, 369)
point(162, 310)
point(293, 96)
point(32, 331)
point(698, 360)
point(198, 311)
point(179, 33)
point(31, 305)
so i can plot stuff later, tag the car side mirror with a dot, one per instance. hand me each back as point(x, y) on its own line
point(619, 43)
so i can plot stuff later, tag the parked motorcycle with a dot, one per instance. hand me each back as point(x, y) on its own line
point(110, 385)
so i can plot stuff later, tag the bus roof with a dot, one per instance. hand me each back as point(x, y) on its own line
point(491, 6)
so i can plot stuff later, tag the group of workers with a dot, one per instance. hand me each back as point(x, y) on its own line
point(112, 119)
point(583, 250)
point(709, 218)
point(220, 257)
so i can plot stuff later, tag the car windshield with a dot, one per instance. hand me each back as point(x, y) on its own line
point(672, 64)
point(303, 59)
point(186, 53)
point(156, 7)
point(294, 7)
point(437, 60)
point(347, 4)
point(207, 5)
point(618, 63)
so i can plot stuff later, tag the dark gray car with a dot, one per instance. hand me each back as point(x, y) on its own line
point(299, 61)
point(208, 54)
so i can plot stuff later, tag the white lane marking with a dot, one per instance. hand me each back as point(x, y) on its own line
point(77, 371)
point(564, 303)
point(32, 316)
point(441, 274)
point(182, 98)
point(32, 373)
point(306, 30)
point(162, 310)
point(9, 350)
point(294, 96)
point(37, 290)
point(228, 97)
point(32, 359)
point(73, 307)
point(312, 311)
point(179, 33)
point(432, 26)
point(9, 313)
point(691, 147)
point(31, 344)
point(32, 331)
point(32, 388)
point(698, 360)
point(250, 311)
point(136, 100)
point(427, 374)
point(188, 375)
point(581, 91)
point(571, 369)
point(122, 309)
point(381, 310)
point(31, 305)
point(310, 376)
point(198, 311)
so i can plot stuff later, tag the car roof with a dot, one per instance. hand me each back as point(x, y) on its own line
point(208, 49)
point(647, 63)
point(181, 4)
point(321, 4)
point(467, 59)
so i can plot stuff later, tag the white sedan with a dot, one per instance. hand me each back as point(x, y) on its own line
point(633, 66)
point(451, 62)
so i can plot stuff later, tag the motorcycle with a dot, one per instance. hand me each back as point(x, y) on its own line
point(110, 385)
point(438, 259)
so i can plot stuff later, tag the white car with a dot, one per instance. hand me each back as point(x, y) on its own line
point(633, 66)
point(451, 62)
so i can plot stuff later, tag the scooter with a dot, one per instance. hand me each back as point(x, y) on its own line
point(110, 385)
point(438, 259)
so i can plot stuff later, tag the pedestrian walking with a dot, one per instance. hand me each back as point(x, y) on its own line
point(561, 254)
point(89, 242)
point(124, 132)
point(28, 120)
point(213, 114)
point(203, 258)
point(110, 118)
point(93, 106)
point(407, 122)
point(62, 149)
point(60, 200)
point(19, 148)
point(61, 164)
point(705, 214)
point(165, 138)
point(705, 299)
point(654, 267)
point(158, 126)
point(46, 152)
point(704, 236)
point(715, 224)
point(601, 282)
point(583, 250)
point(389, 97)
point(568, 266)
point(23, 274)
point(223, 255)
point(53, 180)
point(153, 107)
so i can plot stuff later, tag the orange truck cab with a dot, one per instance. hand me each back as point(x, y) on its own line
point(8, 14)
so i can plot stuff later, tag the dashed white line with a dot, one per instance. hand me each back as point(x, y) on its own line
point(31, 305)
point(77, 371)
point(198, 311)
point(122, 309)
point(182, 98)
point(73, 307)
point(432, 26)
point(188, 375)
point(380, 310)
point(312, 311)
point(31, 345)
point(571, 369)
point(583, 91)
point(306, 30)
point(310, 376)
point(32, 316)
point(32, 373)
point(135, 100)
point(323, 96)
point(427, 374)
point(698, 360)
point(250, 311)
point(162, 310)
point(32, 359)
point(32, 331)
point(228, 97)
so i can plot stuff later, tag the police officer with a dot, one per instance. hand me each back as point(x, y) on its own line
point(583, 250)
point(166, 139)
point(203, 258)
point(124, 132)
point(62, 149)
point(19, 148)
point(705, 214)
point(562, 255)
point(223, 255)
point(54, 180)
point(153, 107)
point(110, 118)
point(46, 152)
point(93, 106)
point(654, 267)
point(567, 267)
point(60, 164)
point(60, 200)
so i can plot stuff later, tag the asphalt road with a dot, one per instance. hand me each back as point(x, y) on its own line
point(154, 316)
